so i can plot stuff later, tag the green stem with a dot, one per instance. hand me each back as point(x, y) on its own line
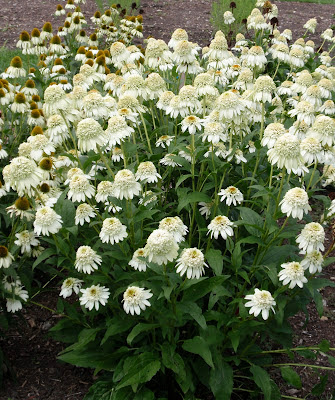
point(146, 132)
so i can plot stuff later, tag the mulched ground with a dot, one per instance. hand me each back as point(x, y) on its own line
point(33, 355)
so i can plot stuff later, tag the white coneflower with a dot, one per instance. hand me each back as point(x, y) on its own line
point(271, 134)
point(14, 304)
point(21, 208)
point(280, 52)
point(232, 195)
point(104, 190)
point(304, 111)
point(327, 34)
point(292, 273)
point(26, 240)
point(57, 130)
point(174, 109)
point(204, 84)
point(94, 105)
point(220, 225)
point(136, 262)
point(230, 106)
point(328, 107)
point(19, 104)
point(161, 247)
point(228, 17)
point(286, 153)
point(90, 134)
point(70, 285)
point(155, 86)
point(55, 100)
point(263, 89)
point(191, 262)
point(255, 57)
point(84, 213)
point(119, 54)
point(323, 129)
point(302, 82)
point(295, 203)
point(313, 95)
point(286, 89)
point(135, 299)
point(311, 25)
point(329, 175)
point(169, 161)
point(94, 296)
point(192, 123)
point(309, 48)
point(313, 262)
point(40, 144)
point(118, 130)
point(175, 226)
point(177, 36)
point(147, 173)
point(87, 260)
point(3, 153)
point(296, 58)
point(24, 176)
point(327, 87)
point(311, 238)
point(260, 302)
point(80, 188)
point(47, 221)
point(158, 55)
point(117, 154)
point(312, 150)
point(214, 132)
point(125, 185)
point(205, 209)
point(134, 86)
point(112, 231)
point(16, 70)
point(189, 98)
point(239, 156)
point(6, 258)
point(164, 141)
point(164, 100)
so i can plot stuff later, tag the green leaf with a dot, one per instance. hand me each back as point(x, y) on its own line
point(173, 360)
point(236, 257)
point(200, 289)
point(145, 366)
point(99, 391)
point(195, 311)
point(139, 328)
point(194, 197)
point(43, 256)
point(324, 346)
point(262, 380)
point(253, 222)
point(116, 326)
point(278, 253)
point(320, 387)
point(182, 179)
point(221, 381)
point(66, 209)
point(234, 337)
point(215, 260)
point(291, 377)
point(85, 336)
point(198, 345)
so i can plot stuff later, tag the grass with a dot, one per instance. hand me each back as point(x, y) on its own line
point(6, 56)
point(314, 1)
